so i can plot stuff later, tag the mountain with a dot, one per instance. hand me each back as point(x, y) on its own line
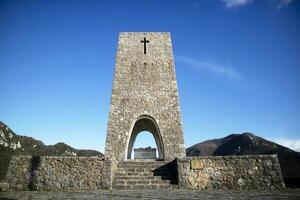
point(13, 144)
point(250, 144)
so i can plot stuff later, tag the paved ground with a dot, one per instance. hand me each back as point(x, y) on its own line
point(155, 194)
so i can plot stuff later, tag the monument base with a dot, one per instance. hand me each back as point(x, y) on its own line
point(207, 172)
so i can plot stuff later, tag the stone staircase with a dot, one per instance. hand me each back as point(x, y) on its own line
point(142, 174)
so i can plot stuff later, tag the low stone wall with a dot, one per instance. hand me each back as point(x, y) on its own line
point(54, 173)
point(86, 173)
point(230, 172)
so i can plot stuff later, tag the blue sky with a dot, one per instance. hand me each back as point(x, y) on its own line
point(237, 66)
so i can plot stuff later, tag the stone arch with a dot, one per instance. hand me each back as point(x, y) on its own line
point(146, 123)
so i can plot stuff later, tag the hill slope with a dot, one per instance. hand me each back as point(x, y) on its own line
point(13, 144)
point(250, 144)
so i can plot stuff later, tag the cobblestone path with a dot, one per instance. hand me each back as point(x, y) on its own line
point(155, 194)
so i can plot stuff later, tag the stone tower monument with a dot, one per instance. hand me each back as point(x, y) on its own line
point(144, 97)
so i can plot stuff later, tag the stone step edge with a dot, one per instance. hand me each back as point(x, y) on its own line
point(143, 164)
point(141, 182)
point(143, 170)
point(145, 178)
point(141, 187)
point(145, 161)
point(143, 174)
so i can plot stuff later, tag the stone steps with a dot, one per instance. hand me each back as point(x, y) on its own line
point(151, 172)
point(142, 169)
point(151, 164)
point(144, 187)
point(142, 182)
point(145, 175)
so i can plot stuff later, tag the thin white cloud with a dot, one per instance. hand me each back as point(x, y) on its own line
point(283, 3)
point(292, 144)
point(210, 67)
point(236, 3)
point(239, 3)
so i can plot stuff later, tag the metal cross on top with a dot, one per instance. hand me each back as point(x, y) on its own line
point(145, 42)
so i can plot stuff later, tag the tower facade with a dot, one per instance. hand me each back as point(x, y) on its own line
point(144, 97)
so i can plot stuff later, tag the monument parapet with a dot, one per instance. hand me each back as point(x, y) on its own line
point(144, 153)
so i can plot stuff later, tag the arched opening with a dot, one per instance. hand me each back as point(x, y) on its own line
point(144, 142)
point(146, 123)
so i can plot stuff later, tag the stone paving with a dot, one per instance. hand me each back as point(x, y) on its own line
point(155, 194)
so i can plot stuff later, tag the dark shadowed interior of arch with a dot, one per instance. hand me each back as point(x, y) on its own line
point(148, 125)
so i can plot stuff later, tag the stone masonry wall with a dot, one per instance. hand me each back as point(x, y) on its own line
point(54, 173)
point(230, 172)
